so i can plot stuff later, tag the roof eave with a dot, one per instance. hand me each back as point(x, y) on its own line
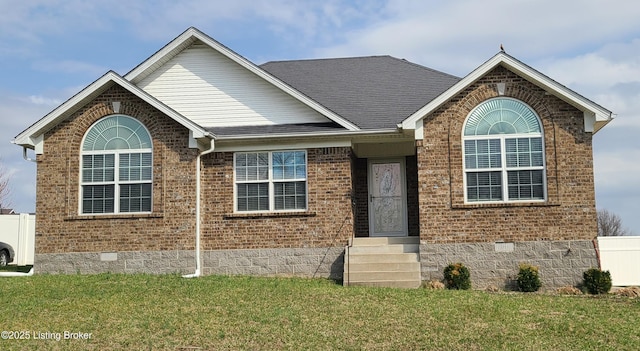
point(32, 135)
point(601, 114)
point(190, 35)
point(348, 133)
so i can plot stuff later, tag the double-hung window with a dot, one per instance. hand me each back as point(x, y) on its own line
point(270, 181)
point(503, 153)
point(116, 167)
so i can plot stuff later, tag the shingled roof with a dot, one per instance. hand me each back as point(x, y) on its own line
point(375, 92)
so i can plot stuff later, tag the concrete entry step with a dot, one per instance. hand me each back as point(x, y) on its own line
point(382, 249)
point(392, 240)
point(383, 262)
point(409, 284)
point(388, 257)
point(383, 266)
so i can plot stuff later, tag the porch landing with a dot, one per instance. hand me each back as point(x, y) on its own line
point(383, 261)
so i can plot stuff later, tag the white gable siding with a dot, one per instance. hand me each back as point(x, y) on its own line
point(213, 91)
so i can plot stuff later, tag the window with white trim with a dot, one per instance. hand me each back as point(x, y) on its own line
point(116, 167)
point(270, 181)
point(503, 153)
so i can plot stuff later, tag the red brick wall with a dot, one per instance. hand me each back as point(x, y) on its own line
point(327, 222)
point(171, 226)
point(569, 212)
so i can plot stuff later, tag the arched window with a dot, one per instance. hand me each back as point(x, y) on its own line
point(503, 153)
point(116, 167)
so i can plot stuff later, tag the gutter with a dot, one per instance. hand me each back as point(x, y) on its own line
point(17, 274)
point(24, 152)
point(389, 131)
point(198, 271)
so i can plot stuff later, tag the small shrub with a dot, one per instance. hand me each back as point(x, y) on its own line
point(528, 279)
point(457, 277)
point(597, 281)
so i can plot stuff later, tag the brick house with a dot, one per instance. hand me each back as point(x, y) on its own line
point(373, 170)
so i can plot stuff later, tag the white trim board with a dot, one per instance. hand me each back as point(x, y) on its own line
point(596, 116)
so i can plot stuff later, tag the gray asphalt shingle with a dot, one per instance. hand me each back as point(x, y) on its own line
point(373, 92)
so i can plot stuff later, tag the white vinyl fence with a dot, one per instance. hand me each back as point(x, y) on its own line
point(19, 232)
point(620, 255)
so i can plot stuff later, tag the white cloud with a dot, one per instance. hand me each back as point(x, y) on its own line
point(595, 70)
point(609, 75)
point(69, 67)
point(617, 171)
point(26, 25)
point(16, 113)
point(611, 64)
point(41, 100)
point(456, 36)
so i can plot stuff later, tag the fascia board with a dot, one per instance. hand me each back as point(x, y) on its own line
point(602, 115)
point(410, 122)
point(280, 144)
point(355, 133)
point(191, 34)
point(161, 56)
point(251, 67)
point(306, 140)
point(562, 92)
point(30, 136)
point(195, 130)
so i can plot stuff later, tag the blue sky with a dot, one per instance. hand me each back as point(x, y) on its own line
point(50, 50)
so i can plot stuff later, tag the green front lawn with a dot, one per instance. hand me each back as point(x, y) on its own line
point(168, 312)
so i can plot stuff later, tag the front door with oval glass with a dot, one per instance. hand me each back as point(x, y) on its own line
point(387, 198)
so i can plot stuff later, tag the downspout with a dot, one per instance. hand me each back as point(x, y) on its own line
point(198, 272)
point(24, 155)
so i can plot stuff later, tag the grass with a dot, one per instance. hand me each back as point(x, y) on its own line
point(168, 312)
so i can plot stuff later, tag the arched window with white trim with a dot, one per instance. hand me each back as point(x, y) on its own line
point(503, 150)
point(116, 167)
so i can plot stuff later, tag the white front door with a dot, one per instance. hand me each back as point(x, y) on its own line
point(387, 198)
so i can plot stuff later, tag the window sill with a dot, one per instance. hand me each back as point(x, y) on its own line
point(114, 216)
point(468, 206)
point(269, 215)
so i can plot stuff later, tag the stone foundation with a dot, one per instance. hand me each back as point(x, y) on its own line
point(561, 263)
point(309, 262)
